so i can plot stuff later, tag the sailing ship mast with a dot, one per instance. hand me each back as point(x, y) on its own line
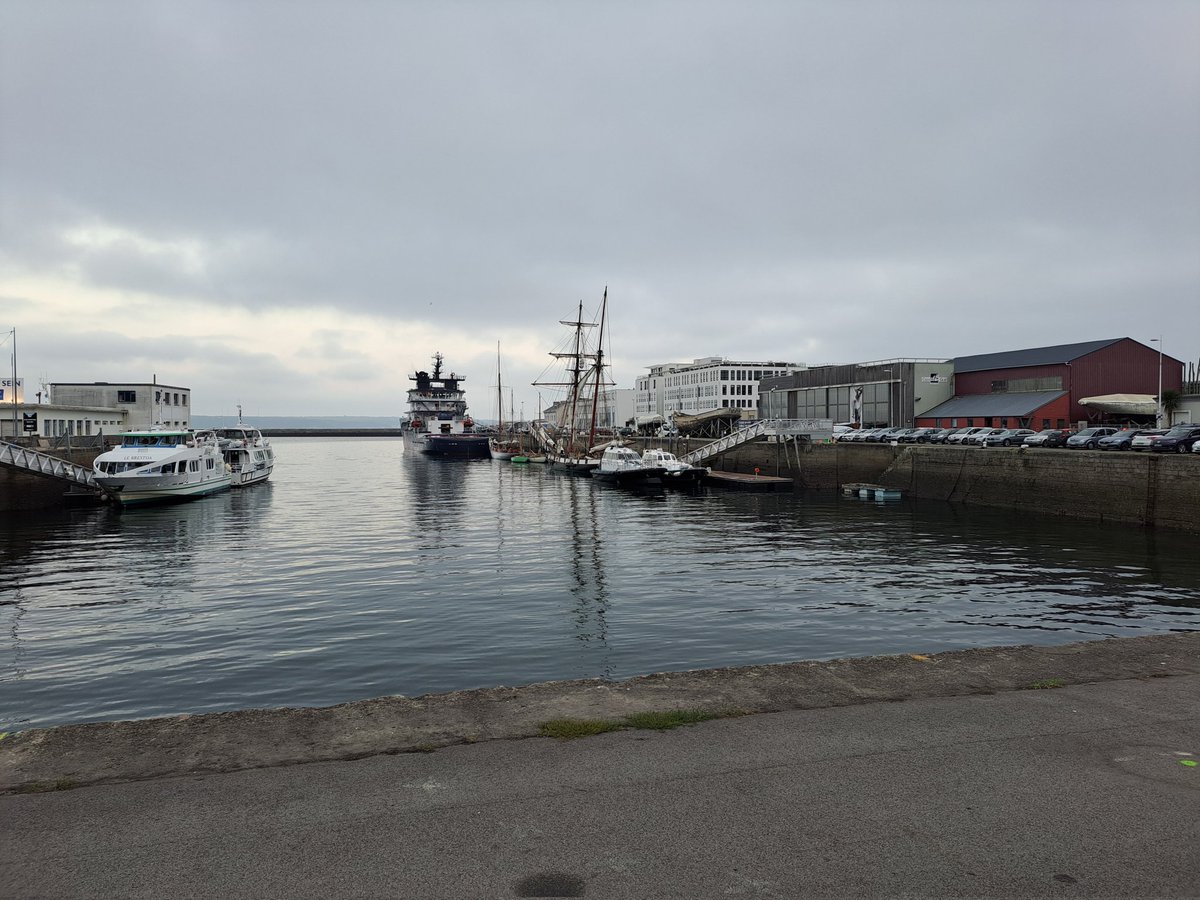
point(577, 371)
point(499, 396)
point(599, 368)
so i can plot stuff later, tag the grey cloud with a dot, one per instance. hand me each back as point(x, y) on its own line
point(870, 179)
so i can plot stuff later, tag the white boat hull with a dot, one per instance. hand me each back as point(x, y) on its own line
point(159, 465)
point(246, 478)
point(148, 489)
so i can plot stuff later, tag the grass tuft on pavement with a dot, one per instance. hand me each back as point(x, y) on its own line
point(1045, 685)
point(571, 729)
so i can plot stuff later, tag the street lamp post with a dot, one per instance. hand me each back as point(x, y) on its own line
point(1159, 417)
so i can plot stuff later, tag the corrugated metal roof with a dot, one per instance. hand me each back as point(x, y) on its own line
point(1038, 356)
point(1018, 403)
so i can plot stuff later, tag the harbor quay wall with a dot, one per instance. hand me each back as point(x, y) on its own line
point(1153, 489)
point(21, 491)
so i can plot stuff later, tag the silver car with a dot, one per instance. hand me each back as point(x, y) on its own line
point(959, 436)
point(1007, 437)
point(1089, 438)
point(1143, 440)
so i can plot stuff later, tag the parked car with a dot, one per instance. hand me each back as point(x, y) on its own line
point(890, 434)
point(1122, 440)
point(1048, 437)
point(976, 439)
point(1089, 438)
point(942, 434)
point(918, 435)
point(963, 433)
point(865, 435)
point(1008, 437)
point(1180, 439)
point(1146, 438)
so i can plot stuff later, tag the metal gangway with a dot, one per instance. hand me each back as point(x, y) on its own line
point(544, 439)
point(26, 460)
point(780, 429)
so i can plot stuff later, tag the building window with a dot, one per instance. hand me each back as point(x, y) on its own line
point(127, 396)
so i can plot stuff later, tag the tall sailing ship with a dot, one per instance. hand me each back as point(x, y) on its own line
point(569, 441)
point(437, 423)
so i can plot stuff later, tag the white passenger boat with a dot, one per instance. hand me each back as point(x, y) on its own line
point(247, 453)
point(675, 472)
point(162, 464)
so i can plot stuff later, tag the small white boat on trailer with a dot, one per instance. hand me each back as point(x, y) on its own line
point(160, 464)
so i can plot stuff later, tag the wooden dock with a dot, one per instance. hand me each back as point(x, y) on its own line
point(739, 481)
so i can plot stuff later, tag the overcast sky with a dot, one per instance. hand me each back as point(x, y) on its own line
point(293, 204)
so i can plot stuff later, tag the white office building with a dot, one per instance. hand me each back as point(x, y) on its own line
point(705, 384)
point(139, 405)
point(88, 410)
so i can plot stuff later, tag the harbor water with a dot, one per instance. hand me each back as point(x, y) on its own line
point(360, 571)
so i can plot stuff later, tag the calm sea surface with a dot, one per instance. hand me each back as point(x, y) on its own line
point(360, 570)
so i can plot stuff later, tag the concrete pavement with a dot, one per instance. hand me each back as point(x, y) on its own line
point(1081, 791)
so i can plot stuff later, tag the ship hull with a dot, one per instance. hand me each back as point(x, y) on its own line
point(457, 446)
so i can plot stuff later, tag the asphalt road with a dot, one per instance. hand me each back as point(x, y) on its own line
point(1081, 791)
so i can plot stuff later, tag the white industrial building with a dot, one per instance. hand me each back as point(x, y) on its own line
point(705, 384)
point(95, 408)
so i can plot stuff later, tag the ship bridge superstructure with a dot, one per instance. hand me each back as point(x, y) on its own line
point(436, 397)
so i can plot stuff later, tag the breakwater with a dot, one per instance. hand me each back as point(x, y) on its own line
point(331, 432)
point(1152, 489)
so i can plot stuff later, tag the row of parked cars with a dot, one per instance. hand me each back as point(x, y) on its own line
point(1179, 439)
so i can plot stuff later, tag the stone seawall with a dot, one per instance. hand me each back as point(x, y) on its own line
point(1159, 490)
point(21, 491)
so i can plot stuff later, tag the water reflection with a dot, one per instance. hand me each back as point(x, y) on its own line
point(588, 569)
point(324, 585)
